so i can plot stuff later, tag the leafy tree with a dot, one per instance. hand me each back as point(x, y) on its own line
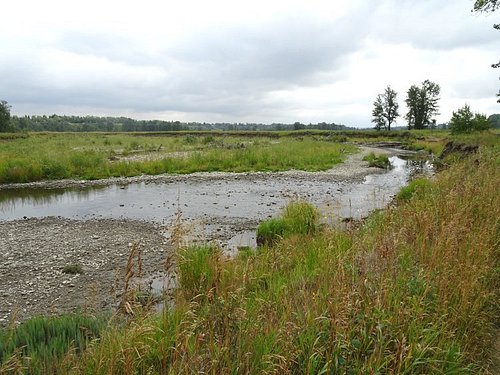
point(422, 103)
point(4, 116)
point(495, 120)
point(463, 121)
point(385, 109)
point(489, 6)
point(486, 5)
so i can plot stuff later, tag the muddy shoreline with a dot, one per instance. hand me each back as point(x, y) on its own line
point(34, 251)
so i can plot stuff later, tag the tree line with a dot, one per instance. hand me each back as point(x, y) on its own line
point(55, 123)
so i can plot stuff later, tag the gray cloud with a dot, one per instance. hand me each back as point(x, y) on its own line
point(232, 69)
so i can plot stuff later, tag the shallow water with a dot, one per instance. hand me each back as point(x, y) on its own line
point(229, 201)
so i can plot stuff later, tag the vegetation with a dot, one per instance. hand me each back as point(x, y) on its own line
point(297, 218)
point(486, 5)
point(463, 121)
point(46, 345)
point(414, 290)
point(422, 103)
point(378, 161)
point(93, 156)
point(56, 123)
point(385, 111)
point(4, 116)
point(73, 269)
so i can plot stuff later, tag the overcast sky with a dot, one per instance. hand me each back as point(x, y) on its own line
point(250, 61)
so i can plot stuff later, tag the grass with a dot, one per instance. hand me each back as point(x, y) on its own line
point(43, 344)
point(56, 156)
point(297, 218)
point(378, 161)
point(72, 269)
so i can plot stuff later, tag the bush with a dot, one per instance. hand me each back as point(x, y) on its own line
point(463, 121)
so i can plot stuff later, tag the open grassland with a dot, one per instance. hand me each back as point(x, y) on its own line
point(27, 157)
point(56, 156)
point(414, 290)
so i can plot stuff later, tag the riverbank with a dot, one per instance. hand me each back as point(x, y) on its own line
point(34, 253)
point(36, 250)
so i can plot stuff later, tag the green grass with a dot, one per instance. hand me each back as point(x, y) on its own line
point(417, 186)
point(297, 218)
point(378, 161)
point(42, 344)
point(56, 156)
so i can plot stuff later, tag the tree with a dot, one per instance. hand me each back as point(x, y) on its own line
point(486, 5)
point(422, 103)
point(4, 116)
point(463, 121)
point(385, 109)
point(489, 6)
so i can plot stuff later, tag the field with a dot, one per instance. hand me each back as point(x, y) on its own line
point(89, 156)
point(94, 156)
point(413, 290)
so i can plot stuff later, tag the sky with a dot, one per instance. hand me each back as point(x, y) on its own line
point(261, 61)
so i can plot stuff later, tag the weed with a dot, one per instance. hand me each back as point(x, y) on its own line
point(378, 161)
point(73, 269)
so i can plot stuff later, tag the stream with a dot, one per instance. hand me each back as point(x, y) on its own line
point(234, 204)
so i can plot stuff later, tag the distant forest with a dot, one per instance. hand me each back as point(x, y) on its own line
point(55, 123)
point(123, 124)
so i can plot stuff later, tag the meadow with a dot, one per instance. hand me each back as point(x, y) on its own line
point(28, 157)
point(413, 289)
point(54, 156)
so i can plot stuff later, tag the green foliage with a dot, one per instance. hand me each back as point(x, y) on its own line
point(4, 116)
point(494, 120)
point(486, 5)
point(378, 161)
point(422, 103)
point(41, 342)
point(385, 109)
point(297, 218)
point(463, 121)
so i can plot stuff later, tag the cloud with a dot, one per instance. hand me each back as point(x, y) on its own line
point(265, 61)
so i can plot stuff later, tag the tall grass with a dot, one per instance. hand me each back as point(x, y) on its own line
point(94, 156)
point(41, 345)
point(297, 218)
point(415, 290)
